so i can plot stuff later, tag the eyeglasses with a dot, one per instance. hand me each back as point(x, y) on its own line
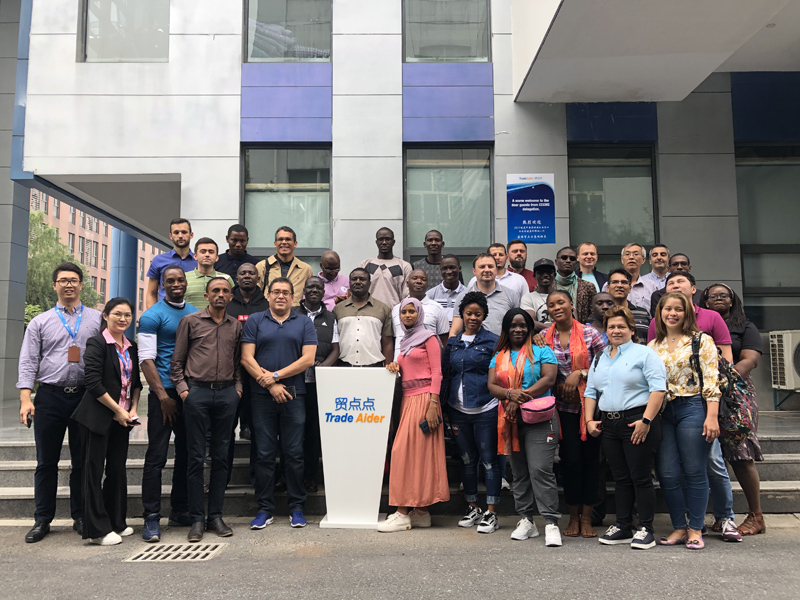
point(286, 293)
point(68, 282)
point(121, 316)
point(568, 257)
point(719, 296)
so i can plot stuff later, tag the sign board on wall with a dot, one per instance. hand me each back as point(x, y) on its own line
point(531, 204)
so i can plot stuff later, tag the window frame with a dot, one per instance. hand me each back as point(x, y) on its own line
point(489, 37)
point(418, 250)
point(81, 46)
point(246, 40)
point(302, 252)
point(617, 249)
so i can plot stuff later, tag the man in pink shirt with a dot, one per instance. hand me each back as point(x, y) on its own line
point(336, 286)
point(708, 321)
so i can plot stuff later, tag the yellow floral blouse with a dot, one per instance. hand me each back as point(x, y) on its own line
point(681, 378)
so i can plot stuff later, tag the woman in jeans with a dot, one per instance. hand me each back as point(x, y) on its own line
point(575, 346)
point(520, 372)
point(418, 477)
point(689, 422)
point(746, 347)
point(628, 382)
point(472, 410)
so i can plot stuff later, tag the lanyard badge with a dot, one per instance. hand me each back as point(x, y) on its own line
point(74, 351)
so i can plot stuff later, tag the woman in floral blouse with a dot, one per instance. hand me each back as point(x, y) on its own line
point(689, 422)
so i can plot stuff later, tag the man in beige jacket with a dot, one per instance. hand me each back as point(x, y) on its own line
point(284, 264)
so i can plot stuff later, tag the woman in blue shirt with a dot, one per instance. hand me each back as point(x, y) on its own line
point(472, 410)
point(628, 381)
point(520, 372)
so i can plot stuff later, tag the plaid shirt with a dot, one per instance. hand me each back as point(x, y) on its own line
point(594, 343)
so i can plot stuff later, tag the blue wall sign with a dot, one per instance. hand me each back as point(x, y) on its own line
point(531, 203)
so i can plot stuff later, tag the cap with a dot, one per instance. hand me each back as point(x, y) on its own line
point(543, 262)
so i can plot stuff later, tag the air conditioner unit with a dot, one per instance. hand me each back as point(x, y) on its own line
point(784, 350)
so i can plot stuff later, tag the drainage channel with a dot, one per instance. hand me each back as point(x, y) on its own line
point(177, 553)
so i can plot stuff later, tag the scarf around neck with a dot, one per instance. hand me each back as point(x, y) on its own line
point(510, 377)
point(579, 358)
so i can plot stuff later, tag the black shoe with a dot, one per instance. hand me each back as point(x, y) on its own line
point(218, 526)
point(37, 532)
point(196, 532)
point(311, 485)
point(244, 433)
point(181, 519)
point(77, 526)
point(615, 535)
point(280, 485)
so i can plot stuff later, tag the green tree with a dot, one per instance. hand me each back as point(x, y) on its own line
point(45, 253)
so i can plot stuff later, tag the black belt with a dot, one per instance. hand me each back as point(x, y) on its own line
point(377, 364)
point(623, 414)
point(214, 385)
point(64, 389)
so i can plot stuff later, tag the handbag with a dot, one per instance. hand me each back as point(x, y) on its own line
point(538, 410)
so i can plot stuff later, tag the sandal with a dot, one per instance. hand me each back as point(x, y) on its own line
point(753, 524)
point(695, 544)
point(587, 531)
point(665, 541)
point(573, 529)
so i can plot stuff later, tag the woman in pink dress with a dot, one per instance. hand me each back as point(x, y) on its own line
point(418, 477)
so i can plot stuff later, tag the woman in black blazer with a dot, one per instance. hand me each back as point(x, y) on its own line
point(106, 414)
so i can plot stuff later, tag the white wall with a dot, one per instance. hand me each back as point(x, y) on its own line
point(180, 117)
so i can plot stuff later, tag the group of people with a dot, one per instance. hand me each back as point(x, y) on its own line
point(528, 367)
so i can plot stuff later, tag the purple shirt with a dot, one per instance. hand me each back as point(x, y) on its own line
point(43, 356)
point(333, 288)
point(708, 321)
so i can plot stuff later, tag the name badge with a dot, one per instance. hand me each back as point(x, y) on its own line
point(243, 317)
point(74, 354)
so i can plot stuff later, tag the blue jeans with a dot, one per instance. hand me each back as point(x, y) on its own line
point(683, 456)
point(476, 438)
point(270, 419)
point(720, 482)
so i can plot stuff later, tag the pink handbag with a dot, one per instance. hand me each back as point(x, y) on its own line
point(538, 410)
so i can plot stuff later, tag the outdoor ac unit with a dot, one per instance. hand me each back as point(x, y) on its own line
point(784, 349)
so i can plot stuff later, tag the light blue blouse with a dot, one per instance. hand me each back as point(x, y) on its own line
point(626, 381)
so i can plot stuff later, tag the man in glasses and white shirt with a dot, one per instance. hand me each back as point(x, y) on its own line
point(52, 355)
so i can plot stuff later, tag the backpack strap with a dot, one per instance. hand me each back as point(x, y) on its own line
point(694, 360)
point(597, 359)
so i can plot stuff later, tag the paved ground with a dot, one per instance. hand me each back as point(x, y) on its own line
point(441, 562)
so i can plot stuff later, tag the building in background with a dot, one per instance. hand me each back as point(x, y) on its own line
point(89, 240)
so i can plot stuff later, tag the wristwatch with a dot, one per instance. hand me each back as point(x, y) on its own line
point(646, 421)
point(276, 376)
point(584, 374)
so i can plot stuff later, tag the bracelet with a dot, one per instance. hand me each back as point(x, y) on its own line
point(434, 401)
point(508, 394)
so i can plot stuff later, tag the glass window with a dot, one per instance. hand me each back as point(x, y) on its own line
point(81, 248)
point(94, 253)
point(104, 258)
point(127, 31)
point(56, 208)
point(44, 203)
point(141, 269)
point(449, 189)
point(72, 215)
point(71, 242)
point(288, 187)
point(767, 179)
point(611, 197)
point(94, 282)
point(446, 30)
point(289, 30)
point(103, 288)
point(105, 229)
point(141, 299)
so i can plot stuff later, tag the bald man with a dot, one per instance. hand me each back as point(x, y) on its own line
point(337, 286)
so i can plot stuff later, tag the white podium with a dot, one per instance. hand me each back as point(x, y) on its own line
point(355, 407)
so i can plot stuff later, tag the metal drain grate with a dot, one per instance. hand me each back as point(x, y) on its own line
point(178, 553)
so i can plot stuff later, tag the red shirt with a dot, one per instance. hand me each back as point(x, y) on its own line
point(528, 275)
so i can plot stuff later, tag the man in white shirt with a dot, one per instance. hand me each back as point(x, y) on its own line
point(499, 298)
point(659, 263)
point(435, 316)
point(513, 282)
point(445, 293)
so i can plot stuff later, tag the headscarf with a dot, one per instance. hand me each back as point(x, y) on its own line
point(416, 335)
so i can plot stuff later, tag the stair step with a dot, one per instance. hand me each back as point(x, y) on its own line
point(17, 502)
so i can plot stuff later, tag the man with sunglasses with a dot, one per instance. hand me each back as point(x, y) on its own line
point(567, 280)
point(52, 355)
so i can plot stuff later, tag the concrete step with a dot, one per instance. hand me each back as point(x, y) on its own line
point(10, 451)
point(780, 444)
point(17, 503)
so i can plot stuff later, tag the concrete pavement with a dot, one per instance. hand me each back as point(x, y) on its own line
point(441, 562)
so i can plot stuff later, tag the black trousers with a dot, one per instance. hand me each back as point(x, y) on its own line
point(312, 445)
point(244, 404)
point(631, 467)
point(207, 410)
point(105, 501)
point(580, 462)
point(158, 435)
point(50, 422)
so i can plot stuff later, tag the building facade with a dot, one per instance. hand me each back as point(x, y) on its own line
point(669, 123)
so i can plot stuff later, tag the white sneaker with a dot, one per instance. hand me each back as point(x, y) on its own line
point(420, 519)
point(505, 485)
point(395, 522)
point(489, 523)
point(125, 532)
point(525, 529)
point(472, 516)
point(552, 535)
point(110, 539)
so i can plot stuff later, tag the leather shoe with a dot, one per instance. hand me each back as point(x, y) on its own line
point(218, 526)
point(196, 532)
point(182, 519)
point(77, 526)
point(37, 532)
